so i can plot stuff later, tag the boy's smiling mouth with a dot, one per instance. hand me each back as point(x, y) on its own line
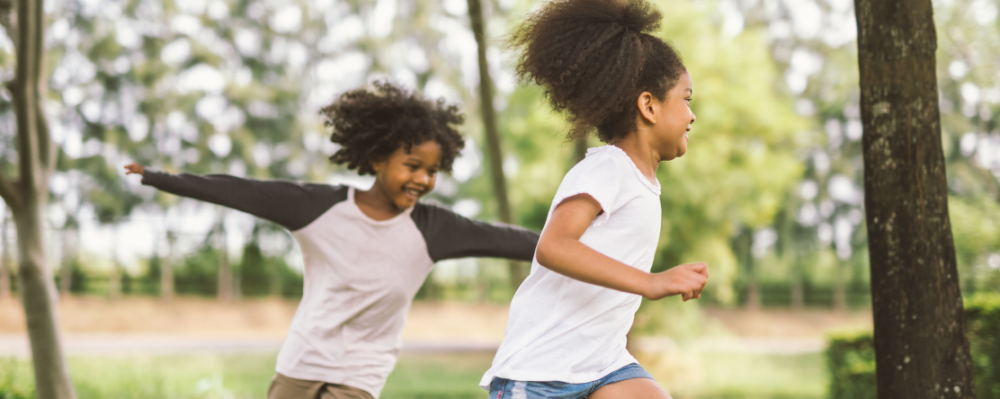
point(413, 192)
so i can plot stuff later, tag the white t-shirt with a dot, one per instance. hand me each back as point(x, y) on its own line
point(562, 329)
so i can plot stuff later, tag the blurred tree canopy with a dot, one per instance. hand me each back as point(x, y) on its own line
point(769, 194)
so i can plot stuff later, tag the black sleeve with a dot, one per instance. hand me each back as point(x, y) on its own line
point(289, 204)
point(449, 235)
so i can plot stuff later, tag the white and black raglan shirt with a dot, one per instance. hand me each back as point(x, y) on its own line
point(360, 274)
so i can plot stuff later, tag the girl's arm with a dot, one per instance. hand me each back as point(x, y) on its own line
point(289, 204)
point(450, 235)
point(560, 250)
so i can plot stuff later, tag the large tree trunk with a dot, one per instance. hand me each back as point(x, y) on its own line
point(167, 269)
point(518, 271)
point(27, 196)
point(920, 343)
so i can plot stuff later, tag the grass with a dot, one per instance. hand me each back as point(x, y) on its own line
point(417, 376)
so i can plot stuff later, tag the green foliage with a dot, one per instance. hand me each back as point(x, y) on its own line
point(850, 359)
point(975, 226)
point(740, 162)
point(982, 314)
point(9, 389)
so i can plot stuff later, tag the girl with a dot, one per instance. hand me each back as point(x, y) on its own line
point(565, 335)
point(366, 252)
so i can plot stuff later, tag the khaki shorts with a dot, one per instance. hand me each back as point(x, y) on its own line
point(283, 387)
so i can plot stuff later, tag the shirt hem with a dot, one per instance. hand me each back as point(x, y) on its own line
point(303, 375)
point(569, 378)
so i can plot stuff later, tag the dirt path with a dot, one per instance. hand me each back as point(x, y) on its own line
point(93, 326)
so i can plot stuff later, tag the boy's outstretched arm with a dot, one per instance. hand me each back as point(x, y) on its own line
point(289, 204)
point(450, 235)
point(560, 250)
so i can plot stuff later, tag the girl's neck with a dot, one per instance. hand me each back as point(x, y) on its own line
point(375, 204)
point(643, 156)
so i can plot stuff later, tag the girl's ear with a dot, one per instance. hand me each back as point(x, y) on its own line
point(648, 107)
point(377, 165)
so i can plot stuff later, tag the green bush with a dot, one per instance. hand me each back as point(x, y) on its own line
point(982, 314)
point(850, 358)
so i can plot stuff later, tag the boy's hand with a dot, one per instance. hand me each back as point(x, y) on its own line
point(134, 168)
point(687, 280)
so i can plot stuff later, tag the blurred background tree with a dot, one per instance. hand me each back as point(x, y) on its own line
point(770, 195)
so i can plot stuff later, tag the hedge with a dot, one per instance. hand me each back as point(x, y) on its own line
point(850, 357)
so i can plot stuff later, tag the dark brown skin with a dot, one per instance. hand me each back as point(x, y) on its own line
point(660, 135)
point(400, 180)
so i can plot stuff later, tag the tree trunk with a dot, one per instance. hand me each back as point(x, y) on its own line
point(4, 261)
point(167, 269)
point(115, 279)
point(753, 290)
point(518, 271)
point(839, 288)
point(275, 284)
point(26, 197)
point(38, 295)
point(798, 297)
point(921, 347)
point(66, 268)
point(225, 283)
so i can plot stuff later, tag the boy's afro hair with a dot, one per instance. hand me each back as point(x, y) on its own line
point(594, 58)
point(370, 125)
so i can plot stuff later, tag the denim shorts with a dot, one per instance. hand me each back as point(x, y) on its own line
point(502, 388)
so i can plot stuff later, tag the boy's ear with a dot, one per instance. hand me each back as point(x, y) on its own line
point(647, 107)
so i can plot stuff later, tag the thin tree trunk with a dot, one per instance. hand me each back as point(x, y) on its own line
point(115, 279)
point(38, 295)
point(753, 290)
point(921, 347)
point(518, 271)
point(798, 297)
point(66, 269)
point(27, 197)
point(4, 261)
point(839, 288)
point(225, 283)
point(167, 269)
